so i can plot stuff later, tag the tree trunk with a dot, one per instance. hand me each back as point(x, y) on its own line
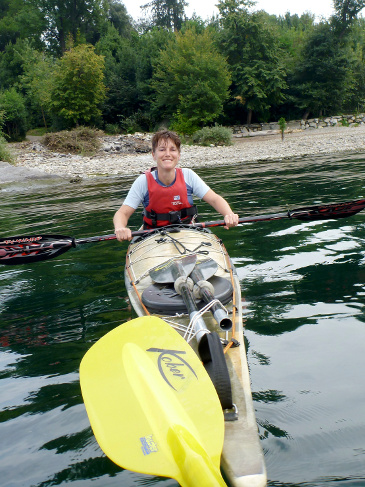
point(249, 117)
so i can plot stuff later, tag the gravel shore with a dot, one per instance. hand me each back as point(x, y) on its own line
point(35, 161)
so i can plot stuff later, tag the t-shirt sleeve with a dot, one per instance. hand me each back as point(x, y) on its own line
point(137, 192)
point(198, 186)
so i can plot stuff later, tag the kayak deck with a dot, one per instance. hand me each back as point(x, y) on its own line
point(242, 457)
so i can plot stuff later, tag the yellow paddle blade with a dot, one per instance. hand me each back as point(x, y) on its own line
point(152, 405)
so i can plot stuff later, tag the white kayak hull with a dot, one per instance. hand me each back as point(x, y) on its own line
point(242, 457)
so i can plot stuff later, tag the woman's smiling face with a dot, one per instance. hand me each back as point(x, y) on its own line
point(166, 154)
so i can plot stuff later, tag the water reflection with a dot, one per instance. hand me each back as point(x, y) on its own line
point(303, 286)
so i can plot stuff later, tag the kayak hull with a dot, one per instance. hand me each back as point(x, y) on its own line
point(242, 457)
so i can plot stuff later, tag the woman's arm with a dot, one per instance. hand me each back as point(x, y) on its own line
point(120, 220)
point(222, 207)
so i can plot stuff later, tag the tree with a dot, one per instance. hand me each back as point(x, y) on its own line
point(20, 19)
point(121, 59)
point(345, 13)
point(167, 13)
point(14, 115)
point(37, 82)
point(78, 86)
point(254, 55)
point(190, 81)
point(119, 18)
point(357, 42)
point(79, 18)
point(323, 81)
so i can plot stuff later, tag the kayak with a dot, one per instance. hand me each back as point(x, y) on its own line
point(155, 264)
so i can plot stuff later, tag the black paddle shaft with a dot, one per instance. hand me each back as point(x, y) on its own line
point(331, 211)
point(209, 344)
point(34, 248)
point(216, 308)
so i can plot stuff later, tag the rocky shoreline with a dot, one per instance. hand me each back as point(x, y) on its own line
point(130, 155)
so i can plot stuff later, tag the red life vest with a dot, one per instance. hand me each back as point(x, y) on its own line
point(167, 204)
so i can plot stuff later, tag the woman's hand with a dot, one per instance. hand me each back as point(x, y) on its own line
point(123, 233)
point(231, 220)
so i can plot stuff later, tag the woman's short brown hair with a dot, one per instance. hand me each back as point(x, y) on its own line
point(164, 135)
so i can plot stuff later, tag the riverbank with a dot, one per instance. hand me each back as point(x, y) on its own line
point(118, 157)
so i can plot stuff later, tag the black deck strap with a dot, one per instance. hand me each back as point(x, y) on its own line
point(212, 355)
point(172, 216)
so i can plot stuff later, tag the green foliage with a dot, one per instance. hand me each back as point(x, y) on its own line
point(14, 119)
point(78, 86)
point(345, 14)
point(190, 81)
point(324, 80)
point(216, 135)
point(174, 70)
point(38, 131)
point(282, 125)
point(292, 32)
point(112, 129)
point(82, 140)
point(5, 154)
point(37, 81)
point(81, 19)
point(121, 61)
point(254, 56)
point(20, 20)
point(119, 18)
point(184, 125)
point(148, 46)
point(137, 122)
point(167, 13)
point(344, 122)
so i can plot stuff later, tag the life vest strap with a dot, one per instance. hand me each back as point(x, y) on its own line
point(172, 216)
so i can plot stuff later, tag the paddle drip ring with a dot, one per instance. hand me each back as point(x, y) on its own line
point(198, 288)
point(183, 281)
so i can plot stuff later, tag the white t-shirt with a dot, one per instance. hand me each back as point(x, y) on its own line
point(138, 192)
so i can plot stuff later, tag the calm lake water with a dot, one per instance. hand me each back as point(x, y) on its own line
point(303, 292)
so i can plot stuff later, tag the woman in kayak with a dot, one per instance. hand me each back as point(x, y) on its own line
point(166, 191)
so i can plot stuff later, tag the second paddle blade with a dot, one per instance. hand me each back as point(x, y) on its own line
point(151, 404)
point(27, 249)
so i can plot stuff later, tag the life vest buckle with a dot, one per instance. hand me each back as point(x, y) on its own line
point(175, 216)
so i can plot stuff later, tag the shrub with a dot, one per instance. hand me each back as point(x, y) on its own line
point(38, 131)
point(344, 122)
point(282, 125)
point(82, 140)
point(184, 125)
point(5, 154)
point(112, 129)
point(14, 120)
point(216, 135)
point(137, 122)
point(78, 88)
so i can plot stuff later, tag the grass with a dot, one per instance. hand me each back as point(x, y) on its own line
point(82, 140)
point(39, 131)
point(5, 153)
